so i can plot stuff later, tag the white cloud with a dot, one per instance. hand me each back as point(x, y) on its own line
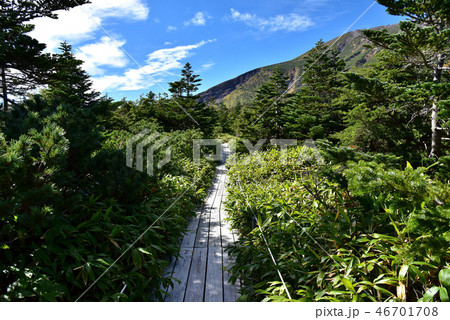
point(107, 82)
point(135, 9)
point(207, 66)
point(315, 3)
point(198, 20)
point(103, 53)
point(291, 22)
point(80, 23)
point(171, 28)
point(158, 63)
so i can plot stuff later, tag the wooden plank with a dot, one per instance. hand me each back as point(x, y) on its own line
point(196, 282)
point(201, 240)
point(230, 291)
point(214, 276)
point(227, 235)
point(180, 272)
point(189, 237)
point(188, 240)
point(214, 239)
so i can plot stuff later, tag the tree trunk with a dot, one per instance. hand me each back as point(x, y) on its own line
point(4, 89)
point(435, 137)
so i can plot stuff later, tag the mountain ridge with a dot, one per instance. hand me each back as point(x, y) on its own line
point(240, 90)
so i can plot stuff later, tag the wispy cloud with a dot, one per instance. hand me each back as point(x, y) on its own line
point(158, 63)
point(198, 20)
point(171, 28)
point(207, 66)
point(291, 22)
point(315, 3)
point(75, 26)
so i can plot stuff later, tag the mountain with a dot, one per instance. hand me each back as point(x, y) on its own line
point(241, 89)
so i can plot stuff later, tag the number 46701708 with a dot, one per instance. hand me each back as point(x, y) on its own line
point(407, 311)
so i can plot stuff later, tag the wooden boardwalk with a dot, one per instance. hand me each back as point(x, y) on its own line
point(200, 267)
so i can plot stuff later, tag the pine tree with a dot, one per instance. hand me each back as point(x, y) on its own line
point(69, 82)
point(26, 10)
point(314, 111)
point(270, 102)
point(423, 41)
point(197, 113)
point(386, 114)
point(23, 66)
point(188, 84)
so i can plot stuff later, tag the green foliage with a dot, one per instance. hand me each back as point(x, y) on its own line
point(379, 234)
point(69, 208)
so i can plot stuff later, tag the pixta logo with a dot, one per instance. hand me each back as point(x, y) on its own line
point(146, 144)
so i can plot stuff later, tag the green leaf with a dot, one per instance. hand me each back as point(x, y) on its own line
point(391, 281)
point(348, 284)
point(385, 237)
point(421, 263)
point(337, 292)
point(115, 231)
point(443, 294)
point(403, 272)
point(103, 261)
point(429, 295)
point(409, 167)
point(417, 272)
point(137, 258)
point(387, 292)
point(84, 275)
point(395, 227)
point(444, 278)
point(158, 248)
point(320, 278)
point(143, 251)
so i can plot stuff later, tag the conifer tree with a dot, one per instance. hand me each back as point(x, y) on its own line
point(386, 114)
point(23, 65)
point(187, 85)
point(270, 104)
point(423, 41)
point(194, 112)
point(70, 82)
point(314, 111)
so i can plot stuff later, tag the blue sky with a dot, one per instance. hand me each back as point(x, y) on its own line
point(221, 39)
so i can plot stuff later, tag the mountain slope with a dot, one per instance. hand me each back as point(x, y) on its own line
point(240, 90)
